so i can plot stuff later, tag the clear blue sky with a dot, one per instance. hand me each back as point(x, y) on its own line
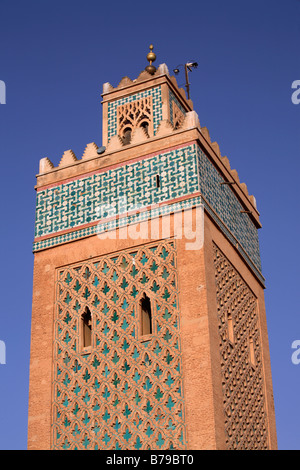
point(54, 58)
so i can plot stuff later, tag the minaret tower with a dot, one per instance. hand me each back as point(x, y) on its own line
point(148, 321)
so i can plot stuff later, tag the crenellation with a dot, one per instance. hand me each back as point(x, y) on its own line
point(226, 163)
point(235, 176)
point(164, 128)
point(190, 103)
point(244, 188)
point(107, 87)
point(115, 143)
point(216, 148)
point(139, 135)
point(253, 201)
point(205, 133)
point(174, 81)
point(126, 81)
point(144, 75)
point(162, 69)
point(45, 165)
point(182, 93)
point(90, 151)
point(68, 158)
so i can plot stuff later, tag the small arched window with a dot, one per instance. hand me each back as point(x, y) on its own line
point(146, 315)
point(86, 324)
point(145, 126)
point(127, 136)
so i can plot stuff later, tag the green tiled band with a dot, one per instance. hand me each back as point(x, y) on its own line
point(182, 172)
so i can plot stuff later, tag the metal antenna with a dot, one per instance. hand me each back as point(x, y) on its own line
point(187, 68)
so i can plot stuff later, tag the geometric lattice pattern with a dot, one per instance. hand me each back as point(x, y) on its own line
point(126, 391)
point(242, 375)
point(177, 111)
point(155, 93)
point(135, 114)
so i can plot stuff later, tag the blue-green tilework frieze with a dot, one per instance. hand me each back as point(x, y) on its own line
point(222, 199)
point(183, 172)
point(75, 203)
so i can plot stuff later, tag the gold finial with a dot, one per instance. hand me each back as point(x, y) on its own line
point(151, 57)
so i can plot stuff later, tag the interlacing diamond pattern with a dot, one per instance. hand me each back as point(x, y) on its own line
point(126, 391)
point(242, 379)
point(243, 384)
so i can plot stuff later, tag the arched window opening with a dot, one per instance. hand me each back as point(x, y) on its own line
point(145, 125)
point(146, 316)
point(86, 319)
point(127, 136)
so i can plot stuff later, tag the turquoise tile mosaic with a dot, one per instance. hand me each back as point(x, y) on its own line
point(224, 202)
point(170, 208)
point(183, 172)
point(157, 108)
point(75, 203)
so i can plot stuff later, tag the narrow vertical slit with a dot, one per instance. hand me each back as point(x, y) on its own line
point(157, 181)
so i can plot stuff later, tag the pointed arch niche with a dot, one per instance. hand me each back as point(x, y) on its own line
point(145, 317)
point(86, 330)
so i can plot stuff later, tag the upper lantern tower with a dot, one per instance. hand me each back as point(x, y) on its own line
point(136, 109)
